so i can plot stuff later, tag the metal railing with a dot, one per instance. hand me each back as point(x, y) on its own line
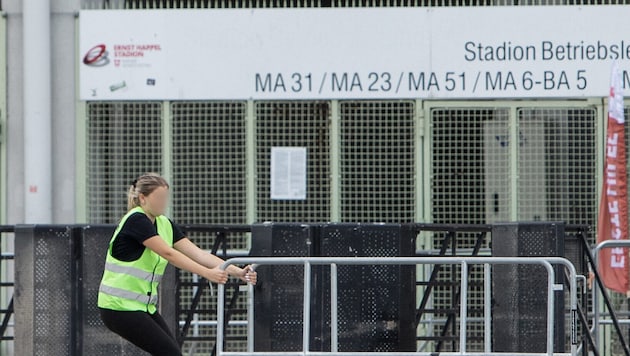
point(220, 247)
point(464, 262)
point(448, 238)
point(597, 289)
point(193, 312)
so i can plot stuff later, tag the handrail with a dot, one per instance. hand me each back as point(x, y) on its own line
point(546, 262)
point(596, 314)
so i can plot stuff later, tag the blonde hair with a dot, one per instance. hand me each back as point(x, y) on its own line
point(145, 185)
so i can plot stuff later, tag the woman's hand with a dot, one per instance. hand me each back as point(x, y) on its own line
point(248, 275)
point(216, 275)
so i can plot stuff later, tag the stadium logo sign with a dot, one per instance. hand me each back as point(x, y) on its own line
point(96, 56)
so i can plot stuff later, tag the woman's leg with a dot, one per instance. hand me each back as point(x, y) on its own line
point(143, 330)
point(158, 319)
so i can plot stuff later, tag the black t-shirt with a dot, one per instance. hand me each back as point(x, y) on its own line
point(138, 227)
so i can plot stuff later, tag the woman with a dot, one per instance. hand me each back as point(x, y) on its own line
point(143, 244)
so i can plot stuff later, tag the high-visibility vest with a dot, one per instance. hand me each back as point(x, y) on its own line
point(133, 286)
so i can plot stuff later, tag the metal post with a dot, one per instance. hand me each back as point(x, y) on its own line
point(37, 112)
point(220, 318)
point(333, 309)
point(306, 319)
point(463, 306)
point(487, 339)
point(595, 291)
point(195, 320)
point(250, 318)
point(550, 305)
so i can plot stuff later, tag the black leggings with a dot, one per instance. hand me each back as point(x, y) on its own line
point(147, 331)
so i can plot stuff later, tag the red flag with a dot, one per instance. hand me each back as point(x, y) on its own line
point(613, 209)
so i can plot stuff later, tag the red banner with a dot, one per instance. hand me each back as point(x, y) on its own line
point(613, 209)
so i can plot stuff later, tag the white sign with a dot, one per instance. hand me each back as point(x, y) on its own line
point(288, 173)
point(352, 53)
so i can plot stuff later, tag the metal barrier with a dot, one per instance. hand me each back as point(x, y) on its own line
point(448, 239)
point(220, 247)
point(75, 243)
point(464, 262)
point(595, 295)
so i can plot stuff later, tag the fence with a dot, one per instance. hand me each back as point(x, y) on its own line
point(463, 261)
point(71, 256)
point(610, 318)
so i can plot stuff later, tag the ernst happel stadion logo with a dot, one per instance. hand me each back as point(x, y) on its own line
point(96, 56)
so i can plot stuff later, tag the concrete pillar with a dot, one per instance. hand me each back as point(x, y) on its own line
point(37, 111)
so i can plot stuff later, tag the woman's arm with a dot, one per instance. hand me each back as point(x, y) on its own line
point(180, 260)
point(209, 260)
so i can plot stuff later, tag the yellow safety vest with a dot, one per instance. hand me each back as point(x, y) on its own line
point(133, 286)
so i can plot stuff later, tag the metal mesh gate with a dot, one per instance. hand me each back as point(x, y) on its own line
point(474, 176)
point(469, 144)
point(209, 147)
point(301, 124)
point(557, 165)
point(209, 162)
point(377, 161)
point(209, 176)
point(124, 141)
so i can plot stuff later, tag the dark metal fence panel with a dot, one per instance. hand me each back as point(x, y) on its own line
point(95, 338)
point(519, 296)
point(45, 290)
point(377, 303)
point(58, 272)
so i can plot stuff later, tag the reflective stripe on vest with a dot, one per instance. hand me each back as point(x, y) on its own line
point(132, 271)
point(133, 286)
point(122, 293)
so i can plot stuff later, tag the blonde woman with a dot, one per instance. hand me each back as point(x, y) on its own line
point(141, 247)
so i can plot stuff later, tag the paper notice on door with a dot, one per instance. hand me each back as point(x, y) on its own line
point(288, 173)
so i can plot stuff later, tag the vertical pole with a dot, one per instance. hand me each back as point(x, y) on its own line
point(250, 318)
point(335, 165)
point(220, 318)
point(595, 290)
point(81, 143)
point(195, 320)
point(463, 307)
point(514, 147)
point(333, 309)
point(550, 307)
point(487, 321)
point(250, 144)
point(167, 146)
point(306, 332)
point(37, 112)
